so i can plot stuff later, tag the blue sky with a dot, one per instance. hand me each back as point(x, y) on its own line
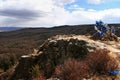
point(105, 4)
point(48, 13)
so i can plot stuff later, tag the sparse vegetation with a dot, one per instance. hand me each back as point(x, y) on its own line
point(36, 73)
point(100, 62)
point(72, 70)
point(96, 63)
point(7, 60)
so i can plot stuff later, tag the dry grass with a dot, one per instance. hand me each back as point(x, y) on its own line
point(72, 70)
point(96, 63)
point(100, 62)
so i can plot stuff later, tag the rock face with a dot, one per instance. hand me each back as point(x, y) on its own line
point(24, 67)
point(53, 52)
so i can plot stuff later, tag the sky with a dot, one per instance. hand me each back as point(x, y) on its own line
point(49, 13)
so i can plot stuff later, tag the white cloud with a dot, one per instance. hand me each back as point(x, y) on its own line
point(90, 16)
point(44, 5)
point(95, 2)
point(66, 1)
point(63, 2)
point(53, 15)
point(111, 15)
point(12, 11)
point(75, 7)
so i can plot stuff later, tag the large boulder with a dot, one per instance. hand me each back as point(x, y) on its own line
point(53, 52)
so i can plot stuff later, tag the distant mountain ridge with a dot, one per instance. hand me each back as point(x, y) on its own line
point(44, 33)
point(85, 27)
point(4, 29)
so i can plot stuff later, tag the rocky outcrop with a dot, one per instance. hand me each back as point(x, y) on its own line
point(53, 52)
point(24, 67)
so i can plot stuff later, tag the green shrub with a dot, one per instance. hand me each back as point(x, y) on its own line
point(35, 71)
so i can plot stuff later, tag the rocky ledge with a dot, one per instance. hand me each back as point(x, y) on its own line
point(55, 51)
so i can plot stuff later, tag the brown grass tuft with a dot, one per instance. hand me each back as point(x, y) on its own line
point(72, 70)
point(100, 62)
